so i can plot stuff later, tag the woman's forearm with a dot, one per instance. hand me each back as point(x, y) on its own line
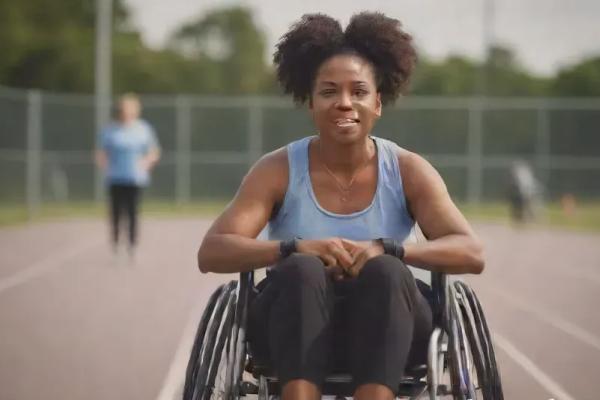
point(453, 254)
point(229, 253)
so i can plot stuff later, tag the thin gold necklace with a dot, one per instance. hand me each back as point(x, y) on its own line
point(344, 190)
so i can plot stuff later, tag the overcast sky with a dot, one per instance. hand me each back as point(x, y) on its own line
point(547, 34)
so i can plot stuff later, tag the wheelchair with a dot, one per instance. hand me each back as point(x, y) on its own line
point(461, 361)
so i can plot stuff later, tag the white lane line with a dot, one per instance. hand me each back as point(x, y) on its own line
point(172, 387)
point(48, 263)
point(548, 383)
point(550, 318)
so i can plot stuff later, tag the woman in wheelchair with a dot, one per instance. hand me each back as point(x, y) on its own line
point(337, 207)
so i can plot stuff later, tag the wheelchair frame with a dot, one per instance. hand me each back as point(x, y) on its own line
point(461, 359)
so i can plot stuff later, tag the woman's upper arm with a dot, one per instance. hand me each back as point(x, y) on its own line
point(261, 191)
point(428, 199)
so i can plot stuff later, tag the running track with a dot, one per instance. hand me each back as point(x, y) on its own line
point(77, 324)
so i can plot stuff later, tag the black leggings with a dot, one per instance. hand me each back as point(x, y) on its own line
point(124, 199)
point(305, 325)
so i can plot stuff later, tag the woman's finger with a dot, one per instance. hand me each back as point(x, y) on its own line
point(329, 260)
point(349, 245)
point(358, 264)
point(344, 258)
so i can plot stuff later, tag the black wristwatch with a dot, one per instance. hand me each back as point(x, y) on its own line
point(287, 247)
point(392, 247)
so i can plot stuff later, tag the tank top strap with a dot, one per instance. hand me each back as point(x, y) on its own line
point(298, 161)
point(391, 174)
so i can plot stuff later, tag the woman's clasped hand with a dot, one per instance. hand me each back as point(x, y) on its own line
point(343, 258)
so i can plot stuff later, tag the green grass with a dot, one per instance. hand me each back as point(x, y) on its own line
point(586, 216)
point(13, 214)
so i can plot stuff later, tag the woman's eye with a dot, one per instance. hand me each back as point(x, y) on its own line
point(327, 92)
point(360, 92)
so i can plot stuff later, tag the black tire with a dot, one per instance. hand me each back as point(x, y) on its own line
point(195, 359)
point(492, 379)
point(237, 352)
point(454, 361)
point(478, 348)
point(469, 370)
point(198, 380)
point(458, 350)
point(218, 386)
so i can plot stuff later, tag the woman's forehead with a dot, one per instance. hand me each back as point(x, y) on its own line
point(345, 67)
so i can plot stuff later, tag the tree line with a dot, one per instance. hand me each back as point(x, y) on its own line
point(51, 47)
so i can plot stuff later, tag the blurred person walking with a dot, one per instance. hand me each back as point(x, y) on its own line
point(127, 151)
point(524, 193)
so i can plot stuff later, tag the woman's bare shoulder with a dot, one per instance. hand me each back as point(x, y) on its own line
point(271, 172)
point(417, 173)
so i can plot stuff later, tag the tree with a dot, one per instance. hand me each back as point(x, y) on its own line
point(504, 76)
point(581, 79)
point(454, 76)
point(50, 46)
point(228, 48)
point(459, 76)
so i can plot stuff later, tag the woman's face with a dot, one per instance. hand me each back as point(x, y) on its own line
point(345, 103)
point(129, 110)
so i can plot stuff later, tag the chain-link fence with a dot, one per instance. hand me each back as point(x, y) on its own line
point(208, 143)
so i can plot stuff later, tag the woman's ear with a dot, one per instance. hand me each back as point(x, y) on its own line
point(378, 105)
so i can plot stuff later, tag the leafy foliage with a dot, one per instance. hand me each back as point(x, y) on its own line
point(51, 47)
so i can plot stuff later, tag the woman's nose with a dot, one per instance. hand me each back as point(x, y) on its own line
point(344, 101)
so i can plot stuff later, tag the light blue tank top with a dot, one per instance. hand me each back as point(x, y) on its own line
point(301, 215)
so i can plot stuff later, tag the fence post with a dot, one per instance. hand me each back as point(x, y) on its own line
point(183, 143)
point(102, 107)
point(474, 172)
point(255, 131)
point(542, 146)
point(34, 153)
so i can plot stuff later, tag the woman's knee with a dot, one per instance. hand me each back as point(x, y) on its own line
point(302, 269)
point(385, 268)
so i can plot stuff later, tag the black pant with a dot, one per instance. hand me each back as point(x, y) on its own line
point(124, 199)
point(305, 325)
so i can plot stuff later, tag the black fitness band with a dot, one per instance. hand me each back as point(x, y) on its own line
point(392, 247)
point(287, 247)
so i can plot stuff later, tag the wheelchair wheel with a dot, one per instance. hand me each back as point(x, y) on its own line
point(458, 350)
point(263, 389)
point(237, 346)
point(481, 344)
point(437, 383)
point(446, 355)
point(195, 356)
point(472, 362)
point(218, 386)
point(207, 354)
point(468, 372)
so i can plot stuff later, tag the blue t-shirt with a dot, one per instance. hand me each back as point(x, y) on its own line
point(125, 146)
